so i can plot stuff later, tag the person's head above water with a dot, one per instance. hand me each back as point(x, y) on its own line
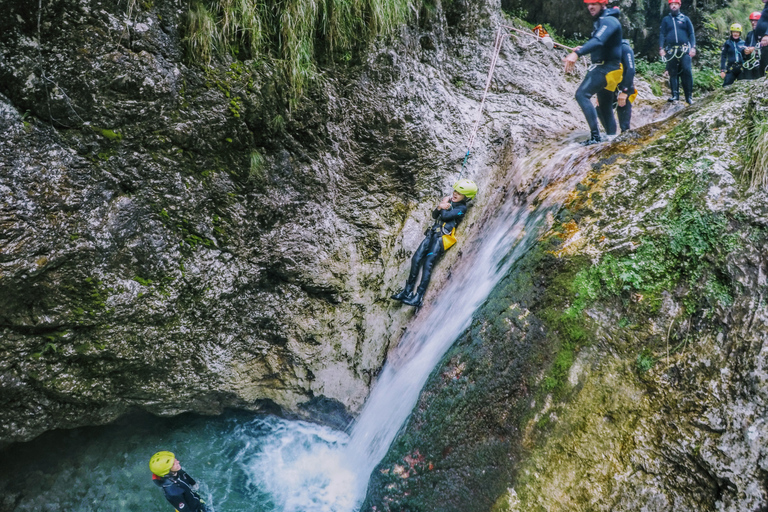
point(163, 463)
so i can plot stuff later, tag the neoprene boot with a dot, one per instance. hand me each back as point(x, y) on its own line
point(689, 100)
point(594, 139)
point(414, 300)
point(404, 293)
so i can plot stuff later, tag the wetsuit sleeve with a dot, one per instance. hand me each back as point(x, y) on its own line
point(608, 26)
point(456, 212)
point(628, 75)
point(762, 25)
point(183, 475)
point(722, 56)
point(663, 32)
point(690, 32)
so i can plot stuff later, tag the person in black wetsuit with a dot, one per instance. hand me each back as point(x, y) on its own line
point(604, 47)
point(177, 485)
point(626, 92)
point(439, 238)
point(677, 43)
point(761, 31)
point(752, 52)
point(732, 56)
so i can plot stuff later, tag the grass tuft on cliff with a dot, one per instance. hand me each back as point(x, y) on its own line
point(297, 33)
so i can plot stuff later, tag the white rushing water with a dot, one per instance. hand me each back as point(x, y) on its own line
point(267, 464)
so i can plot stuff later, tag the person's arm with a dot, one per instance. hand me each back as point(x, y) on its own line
point(690, 31)
point(762, 25)
point(662, 32)
point(723, 54)
point(457, 211)
point(628, 76)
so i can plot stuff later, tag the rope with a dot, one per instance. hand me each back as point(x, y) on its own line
point(677, 53)
point(754, 61)
point(538, 38)
point(500, 35)
point(496, 49)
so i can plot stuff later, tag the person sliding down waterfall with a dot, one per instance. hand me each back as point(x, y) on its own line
point(439, 238)
point(175, 482)
point(604, 74)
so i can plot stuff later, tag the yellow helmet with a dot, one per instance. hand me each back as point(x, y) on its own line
point(736, 28)
point(161, 463)
point(466, 188)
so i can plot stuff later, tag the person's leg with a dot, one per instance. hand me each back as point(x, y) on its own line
point(416, 261)
point(625, 116)
point(730, 77)
point(435, 251)
point(593, 82)
point(674, 84)
point(605, 100)
point(687, 77)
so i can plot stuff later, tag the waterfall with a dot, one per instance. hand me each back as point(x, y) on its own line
point(496, 244)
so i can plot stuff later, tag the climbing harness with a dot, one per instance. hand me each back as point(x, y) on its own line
point(677, 52)
point(754, 61)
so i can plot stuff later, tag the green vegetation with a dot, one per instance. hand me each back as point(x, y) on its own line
point(296, 33)
point(736, 11)
point(685, 253)
point(645, 360)
point(757, 150)
point(108, 134)
point(142, 281)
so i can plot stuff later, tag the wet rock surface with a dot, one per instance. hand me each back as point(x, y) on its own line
point(175, 238)
point(620, 365)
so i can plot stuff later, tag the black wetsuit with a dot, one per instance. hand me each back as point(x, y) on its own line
point(677, 32)
point(605, 49)
point(627, 84)
point(752, 42)
point(431, 247)
point(178, 491)
point(760, 30)
point(732, 59)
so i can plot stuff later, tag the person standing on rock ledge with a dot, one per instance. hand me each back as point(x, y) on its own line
point(439, 238)
point(177, 485)
point(677, 44)
point(604, 74)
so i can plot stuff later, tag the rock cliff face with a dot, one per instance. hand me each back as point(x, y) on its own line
point(176, 238)
point(621, 364)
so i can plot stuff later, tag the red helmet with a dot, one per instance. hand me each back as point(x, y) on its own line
point(754, 16)
point(674, 2)
point(595, 1)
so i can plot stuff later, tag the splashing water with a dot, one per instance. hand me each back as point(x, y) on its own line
point(267, 464)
